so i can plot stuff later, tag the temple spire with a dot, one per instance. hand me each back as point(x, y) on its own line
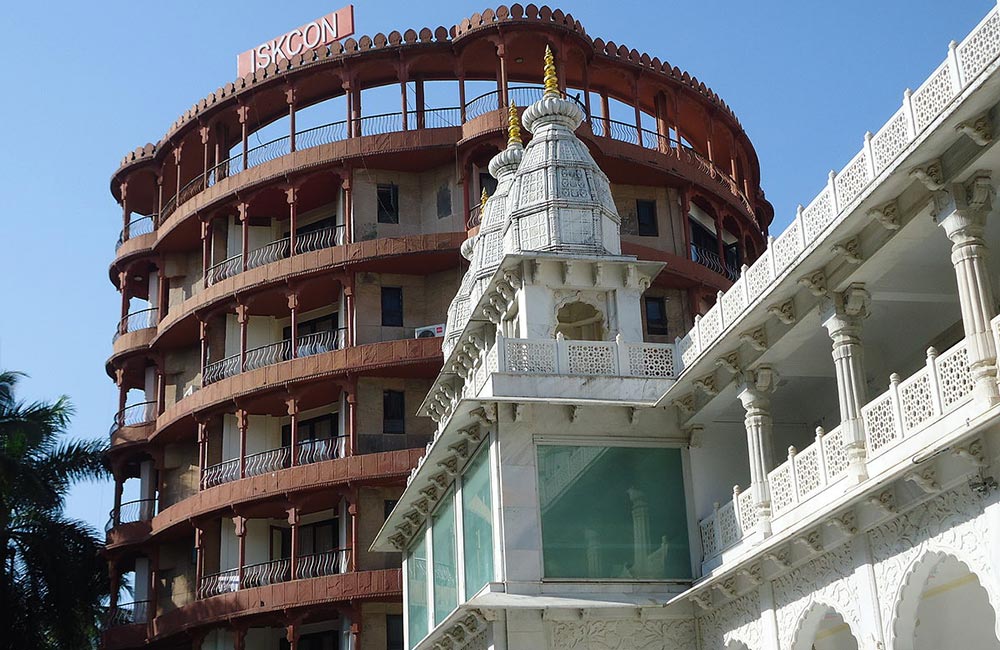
point(513, 126)
point(551, 80)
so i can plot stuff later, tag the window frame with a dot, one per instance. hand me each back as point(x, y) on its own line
point(386, 393)
point(649, 229)
point(660, 330)
point(388, 214)
point(387, 291)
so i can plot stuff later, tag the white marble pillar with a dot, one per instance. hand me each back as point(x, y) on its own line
point(755, 389)
point(842, 315)
point(962, 210)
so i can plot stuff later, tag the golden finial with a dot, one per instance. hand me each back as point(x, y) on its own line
point(513, 126)
point(484, 199)
point(551, 80)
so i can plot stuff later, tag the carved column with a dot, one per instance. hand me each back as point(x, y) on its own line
point(205, 132)
point(293, 311)
point(293, 414)
point(290, 99)
point(243, 112)
point(241, 533)
point(206, 250)
point(126, 212)
point(352, 511)
point(351, 399)
point(292, 196)
point(755, 388)
point(345, 185)
point(245, 239)
point(842, 315)
point(292, 636)
point(961, 211)
point(242, 419)
point(202, 452)
point(293, 522)
point(199, 554)
point(242, 317)
point(348, 288)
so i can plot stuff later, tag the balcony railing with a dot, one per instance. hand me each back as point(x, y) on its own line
point(309, 451)
point(569, 357)
point(136, 226)
point(131, 512)
point(942, 386)
point(266, 355)
point(710, 259)
point(134, 415)
point(129, 613)
point(137, 320)
point(274, 572)
point(277, 250)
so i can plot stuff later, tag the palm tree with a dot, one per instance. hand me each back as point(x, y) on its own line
point(53, 582)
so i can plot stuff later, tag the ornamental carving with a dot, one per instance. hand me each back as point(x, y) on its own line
point(669, 634)
point(737, 620)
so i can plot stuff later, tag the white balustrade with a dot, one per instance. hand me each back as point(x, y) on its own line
point(963, 66)
point(588, 358)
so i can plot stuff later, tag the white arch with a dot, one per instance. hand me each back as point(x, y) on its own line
point(810, 621)
point(902, 630)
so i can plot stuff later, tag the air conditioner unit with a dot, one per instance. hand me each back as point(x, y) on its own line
point(429, 331)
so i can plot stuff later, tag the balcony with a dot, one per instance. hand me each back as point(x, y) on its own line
point(138, 320)
point(134, 415)
point(710, 259)
point(895, 427)
point(136, 227)
point(315, 565)
point(131, 512)
point(134, 613)
point(274, 251)
point(308, 451)
point(273, 353)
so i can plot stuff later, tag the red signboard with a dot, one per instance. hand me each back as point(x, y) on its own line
point(322, 31)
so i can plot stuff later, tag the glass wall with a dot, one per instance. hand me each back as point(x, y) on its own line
point(416, 591)
point(613, 512)
point(445, 555)
point(477, 523)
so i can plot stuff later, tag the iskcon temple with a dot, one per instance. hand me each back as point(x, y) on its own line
point(556, 364)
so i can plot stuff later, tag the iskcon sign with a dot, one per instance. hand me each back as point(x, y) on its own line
point(322, 31)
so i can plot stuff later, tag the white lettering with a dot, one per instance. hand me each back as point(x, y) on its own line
point(319, 35)
point(294, 49)
point(330, 32)
point(263, 58)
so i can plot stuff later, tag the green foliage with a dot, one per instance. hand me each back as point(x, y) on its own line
point(53, 581)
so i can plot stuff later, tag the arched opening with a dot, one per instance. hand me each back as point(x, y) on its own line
point(946, 606)
point(579, 321)
point(823, 628)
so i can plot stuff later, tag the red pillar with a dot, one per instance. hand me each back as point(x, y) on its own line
point(242, 316)
point(199, 551)
point(205, 133)
point(245, 224)
point(293, 522)
point(241, 534)
point(242, 420)
point(293, 414)
point(419, 85)
point(345, 184)
point(352, 399)
point(206, 250)
point(292, 197)
point(290, 99)
point(244, 112)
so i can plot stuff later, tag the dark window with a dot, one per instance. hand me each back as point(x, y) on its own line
point(444, 201)
point(315, 326)
point(656, 315)
point(318, 538)
point(393, 412)
point(389, 505)
point(488, 183)
point(281, 543)
point(392, 306)
point(732, 253)
point(703, 242)
point(645, 212)
point(388, 203)
point(315, 641)
point(321, 428)
point(394, 632)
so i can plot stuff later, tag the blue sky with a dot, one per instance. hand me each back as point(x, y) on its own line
point(85, 83)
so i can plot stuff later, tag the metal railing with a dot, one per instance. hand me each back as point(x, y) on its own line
point(131, 512)
point(223, 582)
point(475, 216)
point(134, 415)
point(710, 259)
point(129, 613)
point(315, 565)
point(136, 227)
point(309, 451)
point(266, 355)
point(266, 573)
point(227, 268)
point(327, 563)
point(137, 320)
point(277, 250)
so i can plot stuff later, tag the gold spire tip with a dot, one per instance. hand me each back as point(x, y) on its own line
point(484, 199)
point(551, 80)
point(513, 126)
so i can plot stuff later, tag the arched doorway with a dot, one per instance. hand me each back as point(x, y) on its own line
point(580, 321)
point(945, 606)
point(823, 628)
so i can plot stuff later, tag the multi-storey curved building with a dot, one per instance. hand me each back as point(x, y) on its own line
point(282, 304)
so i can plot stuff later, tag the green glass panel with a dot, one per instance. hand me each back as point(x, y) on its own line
point(613, 512)
point(445, 559)
point(416, 592)
point(477, 524)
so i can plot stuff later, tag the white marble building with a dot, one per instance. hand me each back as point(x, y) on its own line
point(579, 492)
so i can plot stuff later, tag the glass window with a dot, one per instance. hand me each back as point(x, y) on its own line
point(393, 411)
point(393, 632)
point(416, 591)
point(613, 512)
point(392, 306)
point(488, 183)
point(645, 212)
point(445, 559)
point(656, 315)
point(444, 201)
point(388, 203)
point(477, 524)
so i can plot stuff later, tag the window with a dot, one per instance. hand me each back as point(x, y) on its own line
point(320, 537)
point(393, 411)
point(732, 253)
point(445, 554)
point(613, 513)
point(444, 201)
point(703, 242)
point(392, 306)
point(477, 523)
point(656, 315)
point(488, 183)
point(645, 212)
point(388, 203)
point(388, 505)
point(416, 591)
point(393, 632)
point(315, 641)
point(318, 331)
